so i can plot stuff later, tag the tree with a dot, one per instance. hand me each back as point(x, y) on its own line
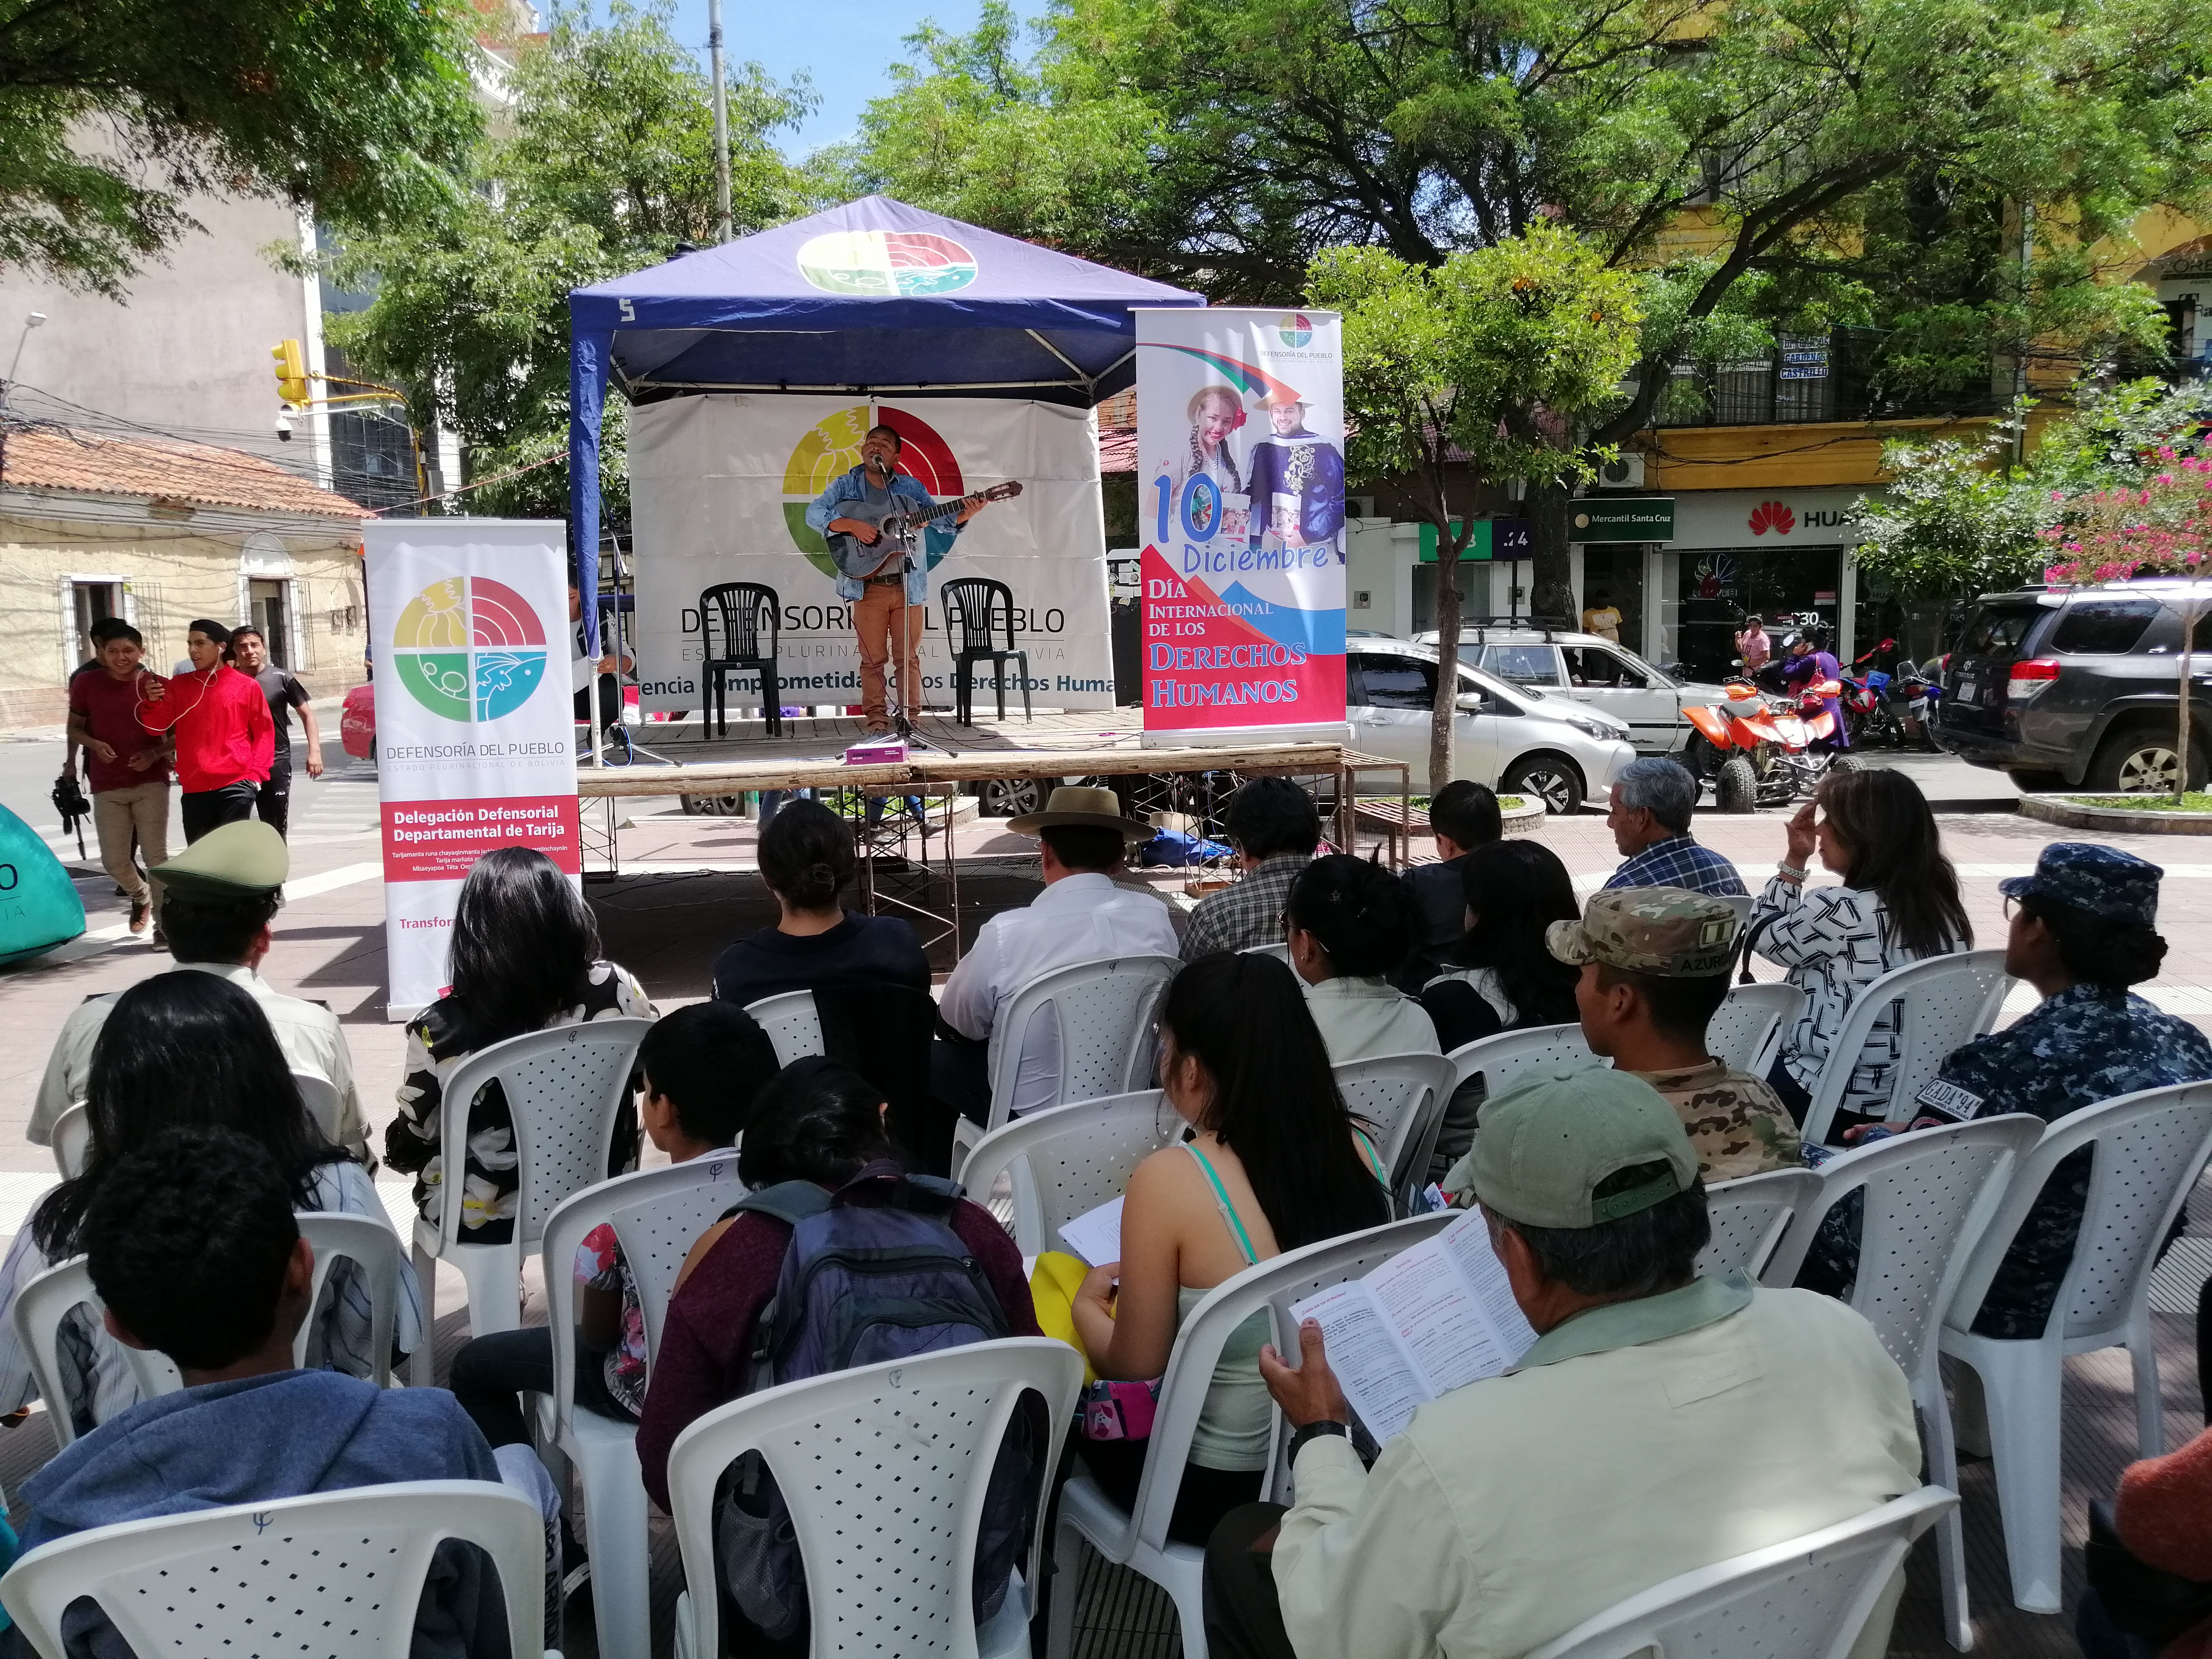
point(608, 168)
point(1774, 165)
point(1499, 354)
point(112, 113)
point(1960, 516)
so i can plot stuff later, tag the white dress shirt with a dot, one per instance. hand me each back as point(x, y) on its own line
point(1079, 918)
point(309, 1033)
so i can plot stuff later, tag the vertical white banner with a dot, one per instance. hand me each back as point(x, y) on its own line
point(1240, 502)
point(475, 737)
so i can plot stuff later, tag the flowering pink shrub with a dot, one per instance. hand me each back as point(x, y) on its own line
point(2162, 528)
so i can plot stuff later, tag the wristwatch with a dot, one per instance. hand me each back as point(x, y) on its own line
point(1315, 1430)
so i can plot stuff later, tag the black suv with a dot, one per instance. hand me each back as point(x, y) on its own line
point(2062, 687)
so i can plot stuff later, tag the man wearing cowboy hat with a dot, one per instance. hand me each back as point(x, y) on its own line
point(1296, 478)
point(1081, 916)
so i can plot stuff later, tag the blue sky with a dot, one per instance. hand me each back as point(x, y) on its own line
point(845, 45)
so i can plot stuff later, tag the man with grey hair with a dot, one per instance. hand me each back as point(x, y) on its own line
point(1654, 1426)
point(1649, 817)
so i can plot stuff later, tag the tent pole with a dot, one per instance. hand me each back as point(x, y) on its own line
point(721, 123)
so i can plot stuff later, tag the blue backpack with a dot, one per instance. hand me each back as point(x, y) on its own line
point(862, 1283)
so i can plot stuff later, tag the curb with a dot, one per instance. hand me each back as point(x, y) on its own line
point(2073, 815)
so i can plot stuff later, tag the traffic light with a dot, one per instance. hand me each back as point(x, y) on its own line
point(291, 372)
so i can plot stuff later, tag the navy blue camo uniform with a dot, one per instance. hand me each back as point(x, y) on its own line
point(2080, 1046)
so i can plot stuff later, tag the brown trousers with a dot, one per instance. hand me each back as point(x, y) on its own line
point(889, 626)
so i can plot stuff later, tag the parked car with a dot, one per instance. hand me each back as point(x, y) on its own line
point(1521, 740)
point(1588, 669)
point(2074, 689)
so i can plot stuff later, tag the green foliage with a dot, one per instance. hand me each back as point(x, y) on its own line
point(607, 167)
point(113, 112)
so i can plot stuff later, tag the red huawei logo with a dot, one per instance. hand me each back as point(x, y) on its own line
point(1772, 515)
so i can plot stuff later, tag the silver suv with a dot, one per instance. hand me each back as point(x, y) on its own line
point(1590, 670)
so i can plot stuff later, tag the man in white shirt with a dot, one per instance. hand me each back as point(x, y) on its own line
point(1081, 916)
point(1657, 1426)
point(223, 890)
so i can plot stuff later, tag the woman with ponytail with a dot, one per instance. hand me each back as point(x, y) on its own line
point(1351, 924)
point(806, 859)
point(1274, 1163)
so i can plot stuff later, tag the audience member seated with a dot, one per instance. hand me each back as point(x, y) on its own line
point(1463, 814)
point(221, 894)
point(1081, 916)
point(1898, 903)
point(1654, 970)
point(1275, 1164)
point(814, 1122)
point(2159, 1518)
point(1504, 978)
point(2081, 933)
point(525, 957)
point(1653, 799)
point(1352, 923)
point(1655, 1426)
point(1273, 826)
point(806, 861)
point(191, 1050)
point(701, 1068)
point(192, 1245)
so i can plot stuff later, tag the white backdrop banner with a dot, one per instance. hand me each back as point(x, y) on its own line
point(474, 739)
point(719, 486)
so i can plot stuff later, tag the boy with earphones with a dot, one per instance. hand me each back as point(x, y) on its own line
point(226, 739)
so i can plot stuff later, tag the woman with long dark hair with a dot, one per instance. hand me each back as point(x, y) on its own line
point(1506, 978)
point(525, 956)
point(806, 861)
point(190, 1050)
point(1898, 903)
point(1276, 1163)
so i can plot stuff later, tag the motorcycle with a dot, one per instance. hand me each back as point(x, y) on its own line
point(1772, 748)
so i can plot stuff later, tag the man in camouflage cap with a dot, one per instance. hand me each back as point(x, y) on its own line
point(1655, 964)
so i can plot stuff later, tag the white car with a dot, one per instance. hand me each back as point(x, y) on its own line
point(1518, 740)
point(1594, 672)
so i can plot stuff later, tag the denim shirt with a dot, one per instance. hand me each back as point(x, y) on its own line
point(937, 540)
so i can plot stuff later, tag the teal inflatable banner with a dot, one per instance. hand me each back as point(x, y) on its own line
point(39, 905)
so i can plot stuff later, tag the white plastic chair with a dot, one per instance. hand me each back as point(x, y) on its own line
point(1502, 1058)
point(887, 1536)
point(336, 1574)
point(565, 1088)
point(321, 1096)
point(72, 1139)
point(1404, 1097)
point(1106, 1011)
point(2149, 1148)
point(657, 1215)
point(1749, 1217)
point(367, 1242)
point(1137, 1538)
point(1949, 1001)
point(792, 1024)
point(1746, 1030)
point(1806, 1598)
point(1928, 1196)
point(1066, 1160)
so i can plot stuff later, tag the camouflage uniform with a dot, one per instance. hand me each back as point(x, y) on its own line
point(1738, 1124)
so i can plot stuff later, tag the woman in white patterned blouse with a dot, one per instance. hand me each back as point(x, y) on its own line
point(1898, 903)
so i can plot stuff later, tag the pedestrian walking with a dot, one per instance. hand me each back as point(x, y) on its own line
point(249, 655)
point(224, 736)
point(127, 765)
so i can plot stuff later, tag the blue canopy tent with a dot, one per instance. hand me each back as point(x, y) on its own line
point(873, 297)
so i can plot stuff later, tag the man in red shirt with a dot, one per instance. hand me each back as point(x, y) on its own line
point(226, 740)
point(127, 764)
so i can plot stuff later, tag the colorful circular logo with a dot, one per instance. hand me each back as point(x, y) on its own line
point(907, 263)
point(470, 649)
point(1296, 328)
point(831, 447)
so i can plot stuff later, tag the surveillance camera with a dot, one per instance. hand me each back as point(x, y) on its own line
point(283, 427)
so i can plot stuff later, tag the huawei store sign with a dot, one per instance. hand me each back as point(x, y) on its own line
point(1779, 519)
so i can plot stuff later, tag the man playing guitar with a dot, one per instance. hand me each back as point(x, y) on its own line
point(890, 599)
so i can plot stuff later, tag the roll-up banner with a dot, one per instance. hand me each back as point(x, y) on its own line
point(472, 651)
point(1239, 501)
point(719, 486)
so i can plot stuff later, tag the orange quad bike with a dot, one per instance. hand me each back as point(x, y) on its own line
point(1764, 745)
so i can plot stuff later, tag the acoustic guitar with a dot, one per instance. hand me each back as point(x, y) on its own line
point(896, 524)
